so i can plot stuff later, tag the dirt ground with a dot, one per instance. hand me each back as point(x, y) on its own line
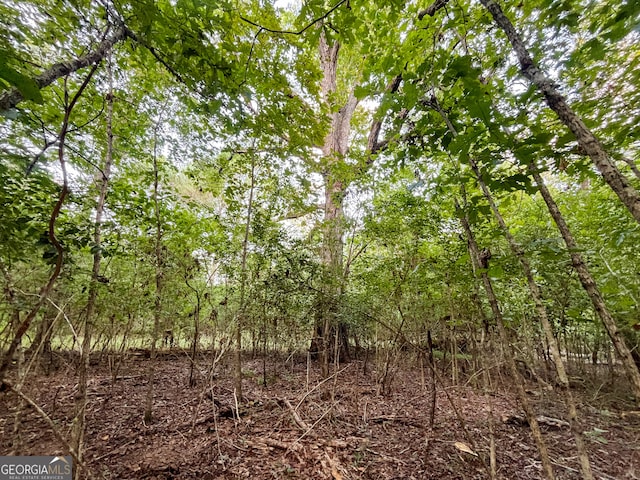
point(299, 428)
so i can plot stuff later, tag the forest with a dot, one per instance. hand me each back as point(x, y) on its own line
point(321, 239)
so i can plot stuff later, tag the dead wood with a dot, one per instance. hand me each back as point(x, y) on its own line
point(296, 416)
point(521, 421)
point(264, 442)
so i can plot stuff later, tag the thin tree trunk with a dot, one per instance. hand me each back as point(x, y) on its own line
point(157, 310)
point(486, 385)
point(243, 285)
point(574, 421)
point(481, 266)
point(78, 429)
point(195, 340)
point(536, 294)
point(16, 437)
point(452, 336)
point(41, 345)
point(591, 145)
point(589, 284)
point(14, 324)
point(46, 289)
point(433, 395)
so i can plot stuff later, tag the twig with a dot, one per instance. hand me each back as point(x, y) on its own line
point(113, 452)
point(314, 424)
point(386, 457)
point(400, 420)
point(319, 384)
point(235, 398)
point(299, 32)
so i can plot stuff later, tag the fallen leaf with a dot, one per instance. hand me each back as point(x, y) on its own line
point(335, 474)
point(463, 447)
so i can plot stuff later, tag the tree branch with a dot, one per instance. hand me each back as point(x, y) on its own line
point(12, 97)
point(54, 428)
point(158, 57)
point(433, 8)
point(293, 32)
point(373, 143)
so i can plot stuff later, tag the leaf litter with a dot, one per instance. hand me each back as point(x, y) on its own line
point(298, 427)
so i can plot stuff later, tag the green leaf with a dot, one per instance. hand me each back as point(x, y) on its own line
point(360, 92)
point(27, 86)
point(495, 272)
point(595, 48)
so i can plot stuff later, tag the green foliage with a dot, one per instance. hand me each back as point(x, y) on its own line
point(27, 86)
point(214, 97)
point(24, 206)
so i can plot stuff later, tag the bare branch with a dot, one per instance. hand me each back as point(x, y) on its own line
point(299, 32)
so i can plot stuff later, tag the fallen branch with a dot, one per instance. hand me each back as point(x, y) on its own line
point(296, 416)
point(386, 457)
point(316, 422)
point(117, 451)
point(321, 383)
point(272, 442)
point(542, 419)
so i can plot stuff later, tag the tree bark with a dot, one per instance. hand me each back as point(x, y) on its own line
point(590, 286)
point(591, 145)
point(335, 147)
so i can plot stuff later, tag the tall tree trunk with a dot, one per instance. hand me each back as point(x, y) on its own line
point(536, 294)
point(589, 284)
point(591, 145)
point(481, 266)
point(335, 147)
point(103, 176)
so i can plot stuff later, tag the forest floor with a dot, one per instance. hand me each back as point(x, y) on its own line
point(297, 428)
